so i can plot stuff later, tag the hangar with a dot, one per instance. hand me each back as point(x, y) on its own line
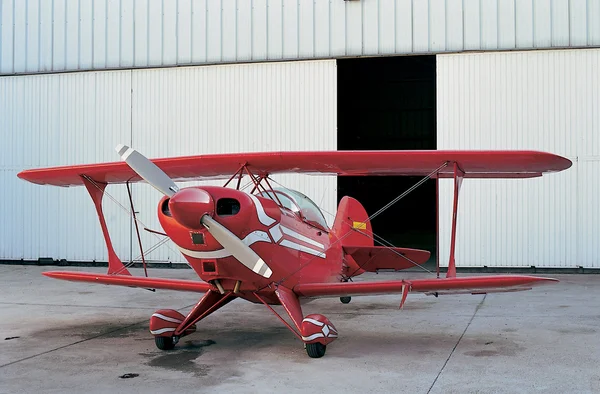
point(212, 76)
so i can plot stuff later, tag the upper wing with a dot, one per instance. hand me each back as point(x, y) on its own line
point(466, 284)
point(475, 164)
point(132, 281)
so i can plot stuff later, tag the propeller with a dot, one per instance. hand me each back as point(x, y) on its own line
point(147, 170)
point(161, 181)
point(236, 247)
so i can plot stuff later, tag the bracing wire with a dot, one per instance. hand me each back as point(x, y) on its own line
point(385, 207)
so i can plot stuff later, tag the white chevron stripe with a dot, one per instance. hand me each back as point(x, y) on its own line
point(253, 237)
point(162, 331)
point(262, 215)
point(301, 237)
point(313, 336)
point(166, 318)
point(276, 232)
point(302, 248)
point(313, 321)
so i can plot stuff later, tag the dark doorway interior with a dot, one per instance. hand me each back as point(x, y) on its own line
point(390, 103)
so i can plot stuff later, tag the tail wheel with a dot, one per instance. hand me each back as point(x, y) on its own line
point(345, 300)
point(315, 350)
point(165, 343)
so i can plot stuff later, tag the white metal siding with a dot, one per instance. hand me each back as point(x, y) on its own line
point(546, 100)
point(48, 120)
point(43, 36)
point(235, 108)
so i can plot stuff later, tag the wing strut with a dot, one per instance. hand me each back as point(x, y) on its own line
point(96, 191)
point(458, 178)
point(137, 229)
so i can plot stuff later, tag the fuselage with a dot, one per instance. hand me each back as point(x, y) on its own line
point(295, 243)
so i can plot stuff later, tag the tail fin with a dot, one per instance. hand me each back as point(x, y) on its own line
point(352, 224)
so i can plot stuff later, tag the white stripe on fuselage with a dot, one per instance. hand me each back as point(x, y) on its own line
point(253, 237)
point(260, 210)
point(302, 248)
point(292, 233)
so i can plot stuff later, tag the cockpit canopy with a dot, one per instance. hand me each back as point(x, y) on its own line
point(299, 204)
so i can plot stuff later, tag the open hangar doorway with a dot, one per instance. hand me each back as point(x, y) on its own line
point(389, 103)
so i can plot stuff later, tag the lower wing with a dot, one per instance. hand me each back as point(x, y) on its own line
point(132, 281)
point(460, 285)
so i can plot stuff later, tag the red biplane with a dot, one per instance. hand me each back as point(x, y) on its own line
point(273, 246)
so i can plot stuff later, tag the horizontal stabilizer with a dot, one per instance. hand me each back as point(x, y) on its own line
point(374, 258)
point(460, 285)
point(132, 281)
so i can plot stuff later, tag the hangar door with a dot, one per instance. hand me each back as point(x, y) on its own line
point(538, 100)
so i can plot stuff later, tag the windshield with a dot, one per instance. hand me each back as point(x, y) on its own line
point(298, 202)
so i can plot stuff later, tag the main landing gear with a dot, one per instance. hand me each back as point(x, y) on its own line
point(346, 299)
point(168, 325)
point(315, 350)
point(166, 343)
point(315, 330)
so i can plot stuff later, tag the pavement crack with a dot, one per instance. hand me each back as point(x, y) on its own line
point(74, 306)
point(81, 341)
point(71, 344)
point(457, 343)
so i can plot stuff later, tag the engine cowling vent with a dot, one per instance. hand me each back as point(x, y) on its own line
point(228, 207)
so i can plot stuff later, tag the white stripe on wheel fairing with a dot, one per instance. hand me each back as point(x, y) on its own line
point(313, 321)
point(313, 336)
point(162, 331)
point(166, 318)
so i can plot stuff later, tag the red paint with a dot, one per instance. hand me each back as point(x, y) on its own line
point(471, 284)
point(164, 322)
point(476, 164)
point(318, 328)
point(306, 258)
point(458, 177)
point(189, 205)
point(131, 281)
point(96, 191)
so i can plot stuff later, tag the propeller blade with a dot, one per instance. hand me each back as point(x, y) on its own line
point(236, 247)
point(147, 170)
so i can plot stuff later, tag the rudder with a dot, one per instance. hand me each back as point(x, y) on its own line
point(352, 225)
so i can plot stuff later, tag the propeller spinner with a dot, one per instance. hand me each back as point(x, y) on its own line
point(186, 205)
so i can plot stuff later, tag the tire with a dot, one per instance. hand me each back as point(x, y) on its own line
point(345, 300)
point(164, 343)
point(315, 350)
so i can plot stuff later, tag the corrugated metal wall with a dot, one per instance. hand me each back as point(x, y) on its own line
point(547, 100)
point(48, 120)
point(235, 108)
point(58, 35)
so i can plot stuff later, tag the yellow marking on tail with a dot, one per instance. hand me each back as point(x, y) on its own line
point(359, 225)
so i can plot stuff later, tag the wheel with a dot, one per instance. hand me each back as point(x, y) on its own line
point(315, 350)
point(165, 343)
point(345, 300)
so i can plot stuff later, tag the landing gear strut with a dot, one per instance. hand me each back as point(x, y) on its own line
point(346, 299)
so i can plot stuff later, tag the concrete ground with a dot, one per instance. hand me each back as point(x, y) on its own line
point(74, 337)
